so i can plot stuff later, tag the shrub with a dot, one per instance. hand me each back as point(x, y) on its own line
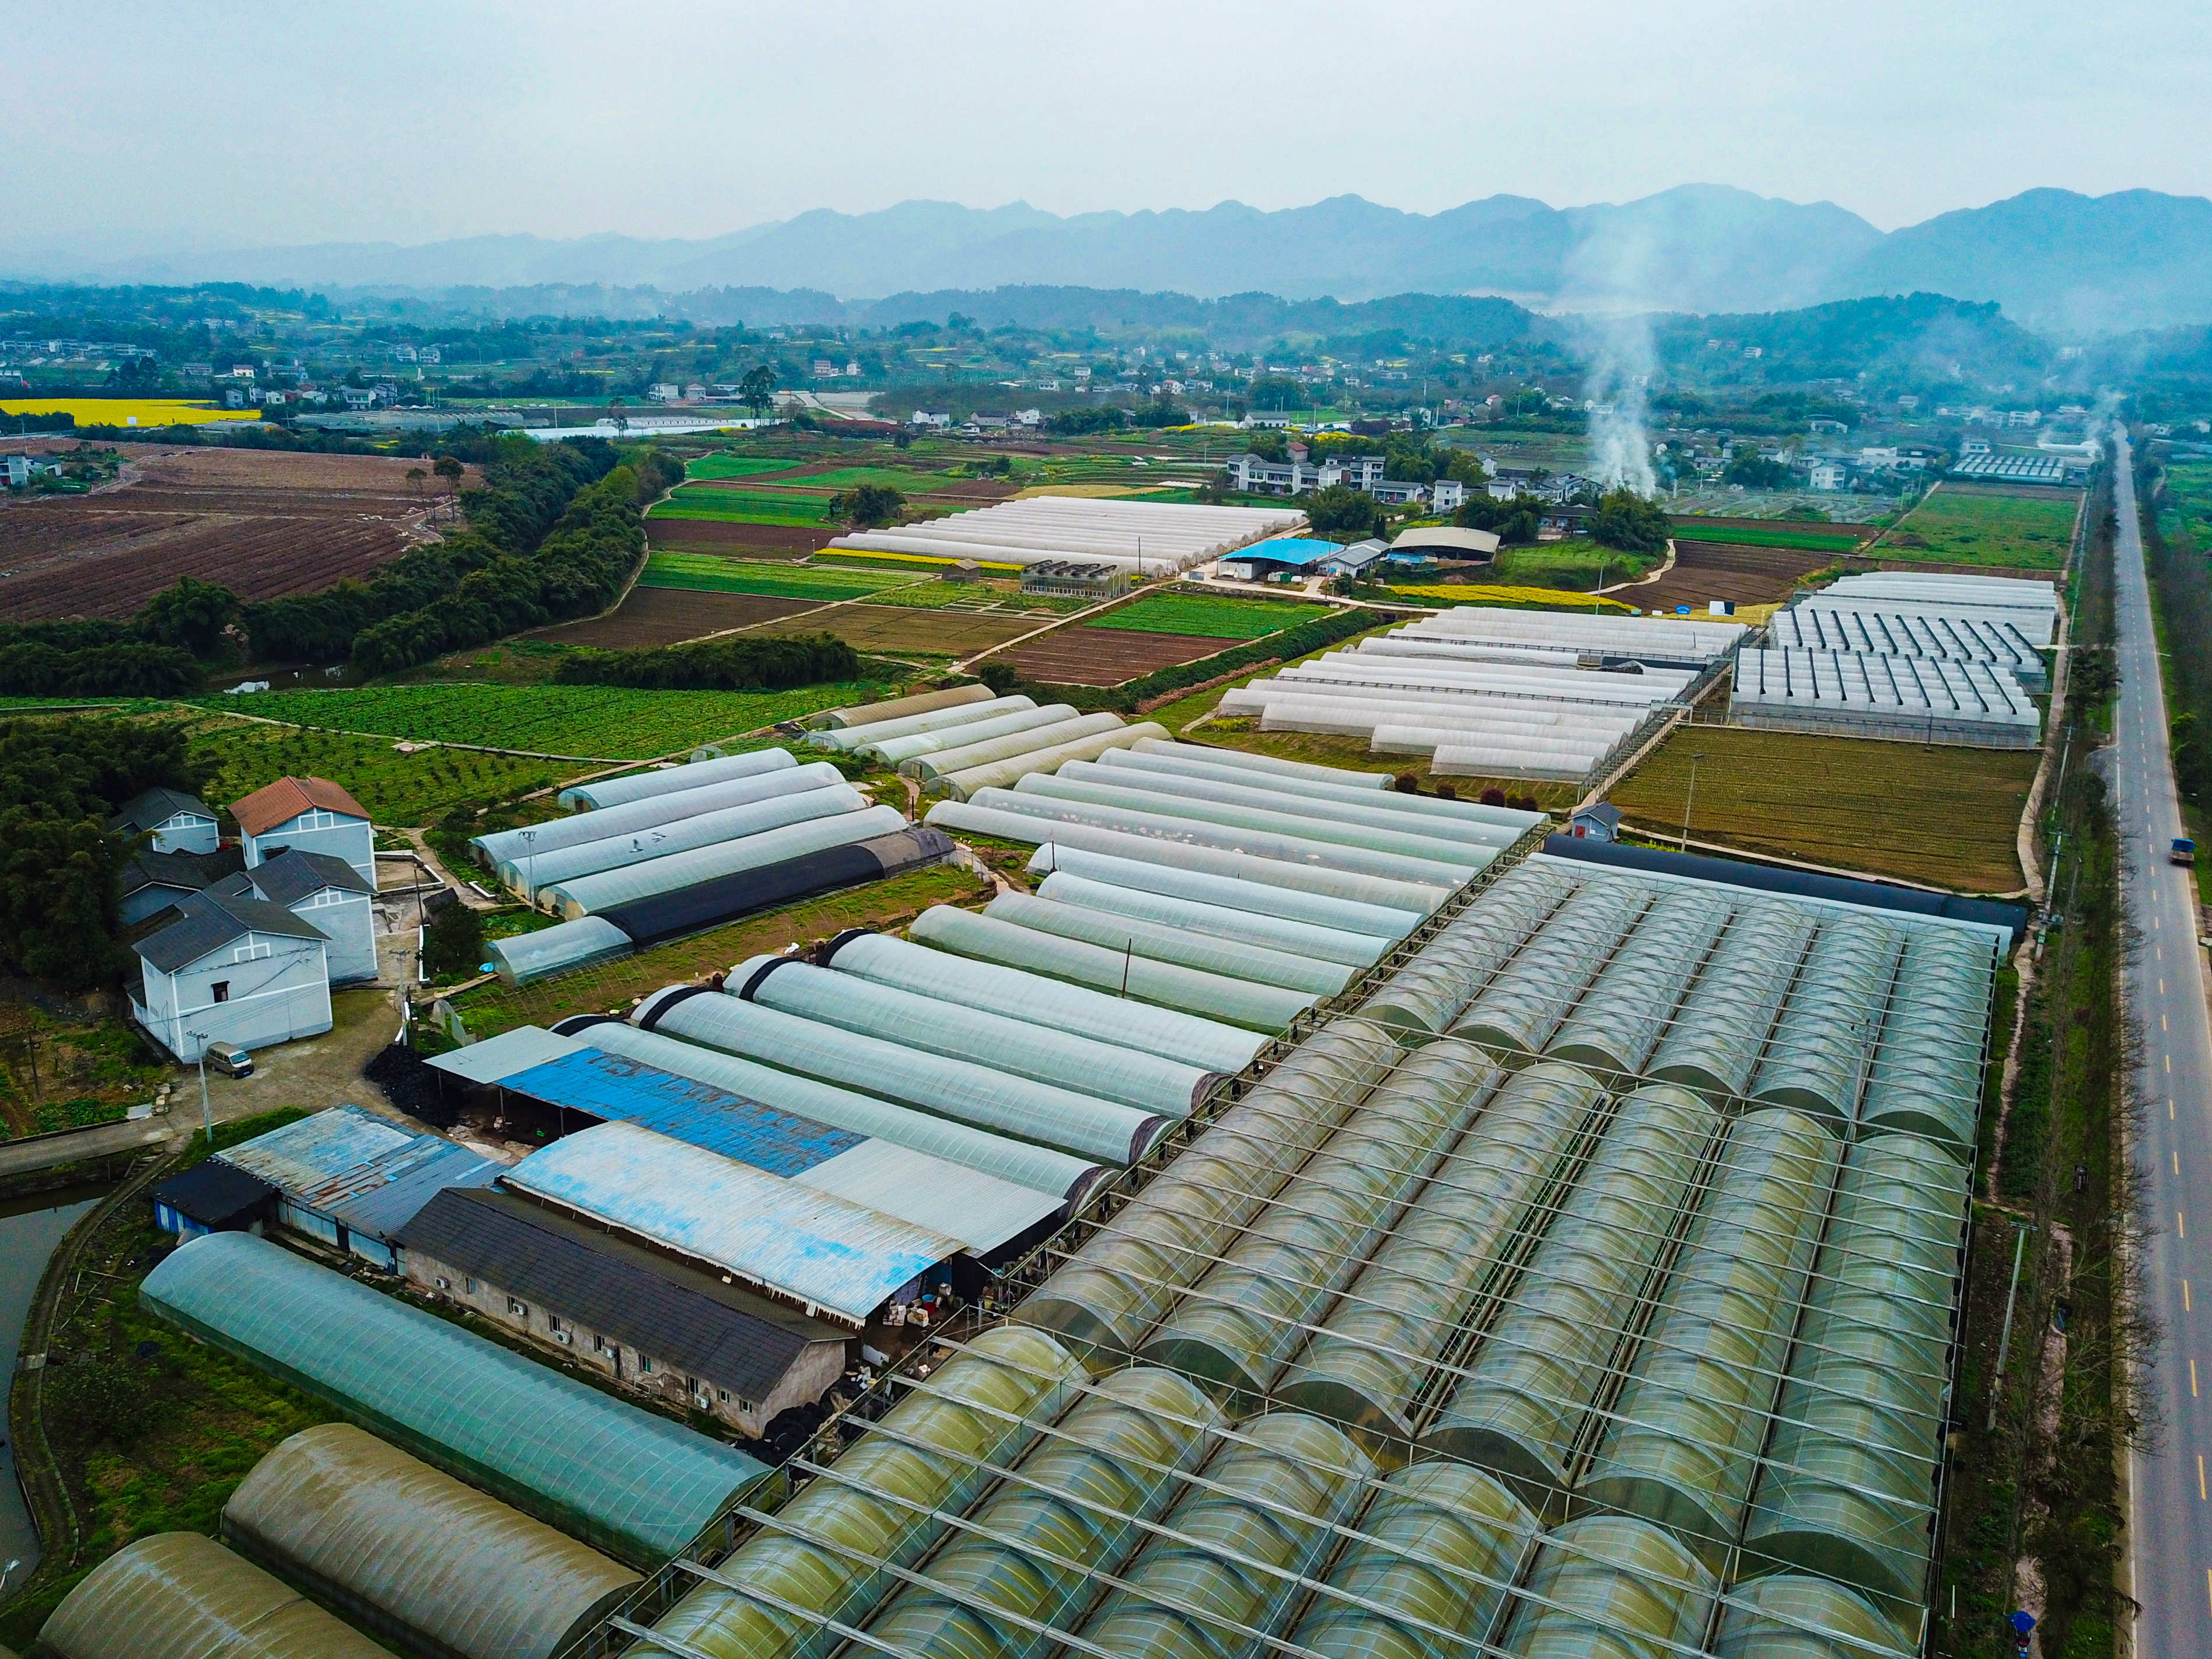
point(453, 942)
point(101, 1400)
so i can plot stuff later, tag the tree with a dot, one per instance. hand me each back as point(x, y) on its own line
point(1747, 467)
point(867, 506)
point(1514, 520)
point(415, 477)
point(757, 389)
point(1342, 511)
point(1279, 392)
point(453, 942)
point(192, 614)
point(448, 467)
point(1625, 520)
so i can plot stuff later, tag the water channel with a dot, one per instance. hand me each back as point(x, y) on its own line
point(30, 1230)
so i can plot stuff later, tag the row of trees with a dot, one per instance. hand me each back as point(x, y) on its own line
point(729, 664)
point(59, 867)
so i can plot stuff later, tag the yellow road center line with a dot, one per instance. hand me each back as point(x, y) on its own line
point(2200, 1479)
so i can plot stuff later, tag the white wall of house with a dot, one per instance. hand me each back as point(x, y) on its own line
point(186, 832)
point(818, 1364)
point(351, 924)
point(338, 834)
point(253, 992)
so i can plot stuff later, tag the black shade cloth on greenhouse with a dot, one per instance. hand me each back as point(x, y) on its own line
point(710, 903)
point(218, 1196)
point(1796, 884)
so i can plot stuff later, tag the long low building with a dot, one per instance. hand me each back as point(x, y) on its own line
point(1992, 637)
point(1930, 700)
point(647, 1324)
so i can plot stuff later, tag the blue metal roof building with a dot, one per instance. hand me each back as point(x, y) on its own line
point(982, 1211)
point(636, 1485)
point(1278, 553)
point(832, 1257)
point(353, 1180)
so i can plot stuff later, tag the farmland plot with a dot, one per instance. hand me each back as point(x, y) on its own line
point(1945, 816)
point(1209, 615)
point(707, 573)
point(668, 615)
point(587, 721)
point(1954, 525)
point(398, 789)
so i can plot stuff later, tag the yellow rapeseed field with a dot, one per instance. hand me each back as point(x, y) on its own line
point(125, 411)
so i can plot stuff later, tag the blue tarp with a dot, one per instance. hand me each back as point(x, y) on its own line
point(618, 1089)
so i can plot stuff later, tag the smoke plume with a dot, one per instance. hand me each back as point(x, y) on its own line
point(1620, 388)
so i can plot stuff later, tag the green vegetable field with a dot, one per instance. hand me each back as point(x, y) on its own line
point(1808, 540)
point(704, 573)
point(586, 720)
point(734, 466)
point(743, 505)
point(1953, 525)
point(1208, 616)
point(903, 479)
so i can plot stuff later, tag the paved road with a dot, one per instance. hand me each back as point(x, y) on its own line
point(2171, 1536)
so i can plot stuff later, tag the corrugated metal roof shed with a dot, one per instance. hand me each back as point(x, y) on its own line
point(503, 1055)
point(687, 1318)
point(636, 1485)
point(358, 1168)
point(980, 1210)
point(822, 1251)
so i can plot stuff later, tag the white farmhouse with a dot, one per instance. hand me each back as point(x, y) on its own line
point(179, 823)
point(326, 891)
point(312, 814)
point(232, 969)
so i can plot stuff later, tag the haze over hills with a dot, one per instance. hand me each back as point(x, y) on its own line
point(2054, 259)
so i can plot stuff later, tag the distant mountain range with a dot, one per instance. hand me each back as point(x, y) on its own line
point(2055, 260)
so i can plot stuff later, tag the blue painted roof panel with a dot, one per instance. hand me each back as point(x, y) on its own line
point(621, 1090)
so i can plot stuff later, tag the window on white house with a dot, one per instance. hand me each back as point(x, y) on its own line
point(471, 1284)
point(222, 990)
point(252, 952)
point(520, 1309)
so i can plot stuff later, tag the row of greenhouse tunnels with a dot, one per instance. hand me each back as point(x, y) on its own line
point(1302, 1217)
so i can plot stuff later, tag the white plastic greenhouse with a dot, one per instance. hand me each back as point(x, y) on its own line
point(1928, 700)
point(641, 786)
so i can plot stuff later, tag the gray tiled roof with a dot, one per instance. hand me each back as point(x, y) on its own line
point(152, 807)
point(682, 1317)
point(186, 872)
point(207, 921)
point(292, 875)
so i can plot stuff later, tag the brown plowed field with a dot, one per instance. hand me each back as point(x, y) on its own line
point(1724, 570)
point(1107, 656)
point(711, 536)
point(261, 524)
point(668, 615)
point(902, 629)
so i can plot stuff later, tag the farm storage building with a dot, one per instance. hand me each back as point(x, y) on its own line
point(352, 1179)
point(1053, 1174)
point(1927, 700)
point(413, 1554)
point(643, 1321)
point(326, 893)
point(181, 1592)
point(213, 1198)
point(632, 1484)
point(832, 1257)
point(981, 1211)
point(1142, 537)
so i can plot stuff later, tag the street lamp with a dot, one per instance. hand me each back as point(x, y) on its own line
point(1688, 796)
point(530, 865)
point(207, 1112)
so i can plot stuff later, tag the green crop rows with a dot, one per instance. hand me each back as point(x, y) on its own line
point(1808, 541)
point(1954, 527)
point(588, 720)
point(2189, 497)
point(703, 573)
point(1208, 616)
point(743, 505)
point(901, 478)
point(734, 466)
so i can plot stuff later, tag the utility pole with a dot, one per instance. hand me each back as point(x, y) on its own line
point(2020, 1231)
point(1689, 796)
point(207, 1112)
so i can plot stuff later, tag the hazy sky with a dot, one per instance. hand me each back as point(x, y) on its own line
point(136, 127)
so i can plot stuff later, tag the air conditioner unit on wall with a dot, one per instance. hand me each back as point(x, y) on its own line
point(443, 1284)
point(563, 1338)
